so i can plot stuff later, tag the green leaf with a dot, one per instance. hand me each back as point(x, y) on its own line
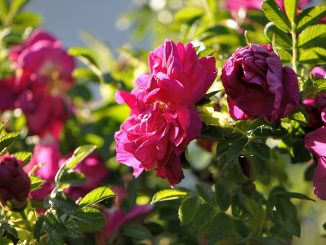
point(205, 192)
point(64, 203)
point(79, 155)
point(260, 149)
point(286, 215)
point(223, 197)
point(7, 139)
point(83, 53)
point(206, 52)
point(234, 150)
point(27, 19)
point(212, 133)
point(97, 195)
point(312, 36)
point(38, 227)
point(315, 55)
point(137, 231)
point(295, 195)
point(4, 240)
point(310, 16)
point(169, 194)
point(16, 5)
point(3, 9)
point(36, 183)
point(220, 228)
point(320, 85)
point(72, 228)
point(187, 210)
point(23, 156)
point(281, 38)
point(291, 9)
point(72, 178)
point(53, 237)
point(9, 228)
point(89, 219)
point(188, 14)
point(204, 214)
point(274, 14)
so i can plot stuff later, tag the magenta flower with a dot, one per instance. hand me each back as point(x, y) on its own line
point(318, 72)
point(163, 119)
point(15, 183)
point(8, 94)
point(257, 84)
point(316, 144)
point(116, 217)
point(48, 155)
point(44, 76)
point(236, 5)
point(95, 172)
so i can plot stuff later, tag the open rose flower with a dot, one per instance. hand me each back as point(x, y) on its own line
point(48, 156)
point(257, 84)
point(15, 183)
point(44, 76)
point(316, 144)
point(163, 119)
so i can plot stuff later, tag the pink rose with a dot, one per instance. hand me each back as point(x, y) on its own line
point(318, 72)
point(95, 172)
point(235, 5)
point(8, 94)
point(44, 77)
point(163, 119)
point(257, 84)
point(316, 144)
point(116, 217)
point(15, 183)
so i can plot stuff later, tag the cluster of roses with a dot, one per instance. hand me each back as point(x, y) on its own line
point(163, 119)
point(39, 88)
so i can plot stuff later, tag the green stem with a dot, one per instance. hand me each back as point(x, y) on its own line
point(294, 49)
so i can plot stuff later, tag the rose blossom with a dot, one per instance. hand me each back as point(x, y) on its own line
point(316, 144)
point(236, 5)
point(257, 84)
point(48, 155)
point(14, 183)
point(44, 76)
point(316, 107)
point(163, 119)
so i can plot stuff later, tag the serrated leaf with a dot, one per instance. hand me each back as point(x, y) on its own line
point(53, 238)
point(97, 195)
point(36, 183)
point(137, 231)
point(234, 150)
point(64, 203)
point(187, 210)
point(312, 36)
point(73, 178)
point(223, 197)
point(291, 9)
point(274, 14)
point(315, 55)
point(7, 139)
point(169, 194)
point(89, 219)
point(281, 38)
point(72, 228)
point(212, 133)
point(260, 149)
point(320, 85)
point(38, 227)
point(204, 214)
point(310, 16)
point(23, 156)
point(79, 155)
point(9, 228)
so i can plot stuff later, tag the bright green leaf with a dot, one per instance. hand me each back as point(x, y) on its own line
point(315, 55)
point(23, 156)
point(291, 9)
point(169, 194)
point(36, 183)
point(274, 14)
point(280, 38)
point(7, 139)
point(97, 195)
point(312, 36)
point(310, 16)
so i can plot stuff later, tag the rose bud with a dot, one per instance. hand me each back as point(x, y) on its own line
point(15, 183)
point(258, 85)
